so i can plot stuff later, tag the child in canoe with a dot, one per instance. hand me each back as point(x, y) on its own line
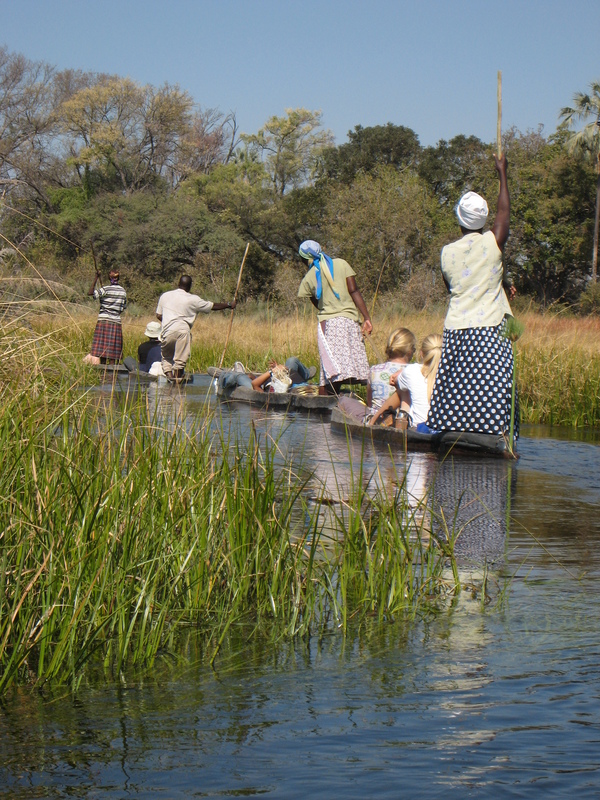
point(400, 349)
point(414, 384)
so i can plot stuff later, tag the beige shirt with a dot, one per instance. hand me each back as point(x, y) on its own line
point(180, 306)
point(329, 305)
point(472, 267)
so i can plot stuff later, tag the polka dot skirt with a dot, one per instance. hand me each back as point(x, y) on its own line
point(473, 385)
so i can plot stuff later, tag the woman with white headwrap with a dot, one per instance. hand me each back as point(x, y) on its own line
point(331, 286)
point(474, 380)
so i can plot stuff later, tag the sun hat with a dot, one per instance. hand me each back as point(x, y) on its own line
point(152, 330)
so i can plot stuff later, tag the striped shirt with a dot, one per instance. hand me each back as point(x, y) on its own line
point(113, 301)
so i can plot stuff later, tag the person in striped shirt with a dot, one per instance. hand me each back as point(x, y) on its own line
point(107, 345)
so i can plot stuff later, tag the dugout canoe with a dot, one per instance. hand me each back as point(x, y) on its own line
point(120, 371)
point(320, 404)
point(457, 442)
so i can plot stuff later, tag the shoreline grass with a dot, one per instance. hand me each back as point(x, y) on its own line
point(119, 533)
point(557, 358)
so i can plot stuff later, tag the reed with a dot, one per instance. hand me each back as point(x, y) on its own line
point(558, 356)
point(119, 532)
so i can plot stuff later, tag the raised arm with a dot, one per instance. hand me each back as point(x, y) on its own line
point(93, 286)
point(500, 228)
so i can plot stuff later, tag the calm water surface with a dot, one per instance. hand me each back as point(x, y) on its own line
point(501, 702)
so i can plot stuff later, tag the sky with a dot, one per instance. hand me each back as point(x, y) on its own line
point(430, 65)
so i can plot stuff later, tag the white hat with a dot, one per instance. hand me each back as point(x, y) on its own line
point(152, 330)
point(472, 211)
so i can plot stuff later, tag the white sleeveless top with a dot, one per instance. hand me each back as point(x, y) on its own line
point(472, 267)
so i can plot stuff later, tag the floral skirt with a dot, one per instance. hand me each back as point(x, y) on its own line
point(473, 385)
point(342, 351)
point(108, 340)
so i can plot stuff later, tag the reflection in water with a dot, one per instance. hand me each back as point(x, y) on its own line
point(465, 704)
point(471, 500)
point(465, 495)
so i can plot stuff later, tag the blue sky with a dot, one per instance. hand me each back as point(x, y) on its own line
point(428, 64)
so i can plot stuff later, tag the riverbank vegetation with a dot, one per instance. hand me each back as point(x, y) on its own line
point(98, 171)
point(121, 527)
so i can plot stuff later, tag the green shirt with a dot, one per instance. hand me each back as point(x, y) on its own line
point(329, 305)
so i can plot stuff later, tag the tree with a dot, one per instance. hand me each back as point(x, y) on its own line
point(550, 232)
point(455, 167)
point(26, 122)
point(128, 134)
point(211, 140)
point(370, 148)
point(384, 224)
point(289, 147)
point(586, 142)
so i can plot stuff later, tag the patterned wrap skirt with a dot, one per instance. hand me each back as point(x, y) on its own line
point(473, 385)
point(108, 340)
point(343, 354)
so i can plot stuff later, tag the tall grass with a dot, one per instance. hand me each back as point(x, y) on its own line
point(117, 533)
point(558, 356)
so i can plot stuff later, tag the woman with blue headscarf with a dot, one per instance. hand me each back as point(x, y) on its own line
point(331, 287)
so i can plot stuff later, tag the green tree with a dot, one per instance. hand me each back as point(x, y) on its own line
point(586, 142)
point(384, 224)
point(368, 149)
point(289, 147)
point(126, 133)
point(455, 167)
point(548, 249)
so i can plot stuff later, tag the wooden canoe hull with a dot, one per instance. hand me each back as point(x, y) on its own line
point(321, 404)
point(120, 371)
point(459, 442)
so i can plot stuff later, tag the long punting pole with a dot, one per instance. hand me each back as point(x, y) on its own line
point(239, 280)
point(511, 433)
point(499, 126)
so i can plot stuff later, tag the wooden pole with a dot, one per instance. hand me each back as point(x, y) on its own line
point(97, 271)
point(239, 280)
point(499, 125)
point(387, 258)
point(378, 355)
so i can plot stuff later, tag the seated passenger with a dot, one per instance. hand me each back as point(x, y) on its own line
point(298, 374)
point(414, 384)
point(400, 349)
point(149, 351)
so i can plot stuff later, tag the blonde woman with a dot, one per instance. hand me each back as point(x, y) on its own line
point(400, 349)
point(414, 384)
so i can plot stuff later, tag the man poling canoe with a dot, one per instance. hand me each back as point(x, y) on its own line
point(177, 311)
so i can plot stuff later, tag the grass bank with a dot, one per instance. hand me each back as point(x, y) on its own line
point(558, 356)
point(118, 533)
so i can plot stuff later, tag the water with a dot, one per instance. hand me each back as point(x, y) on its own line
point(475, 703)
